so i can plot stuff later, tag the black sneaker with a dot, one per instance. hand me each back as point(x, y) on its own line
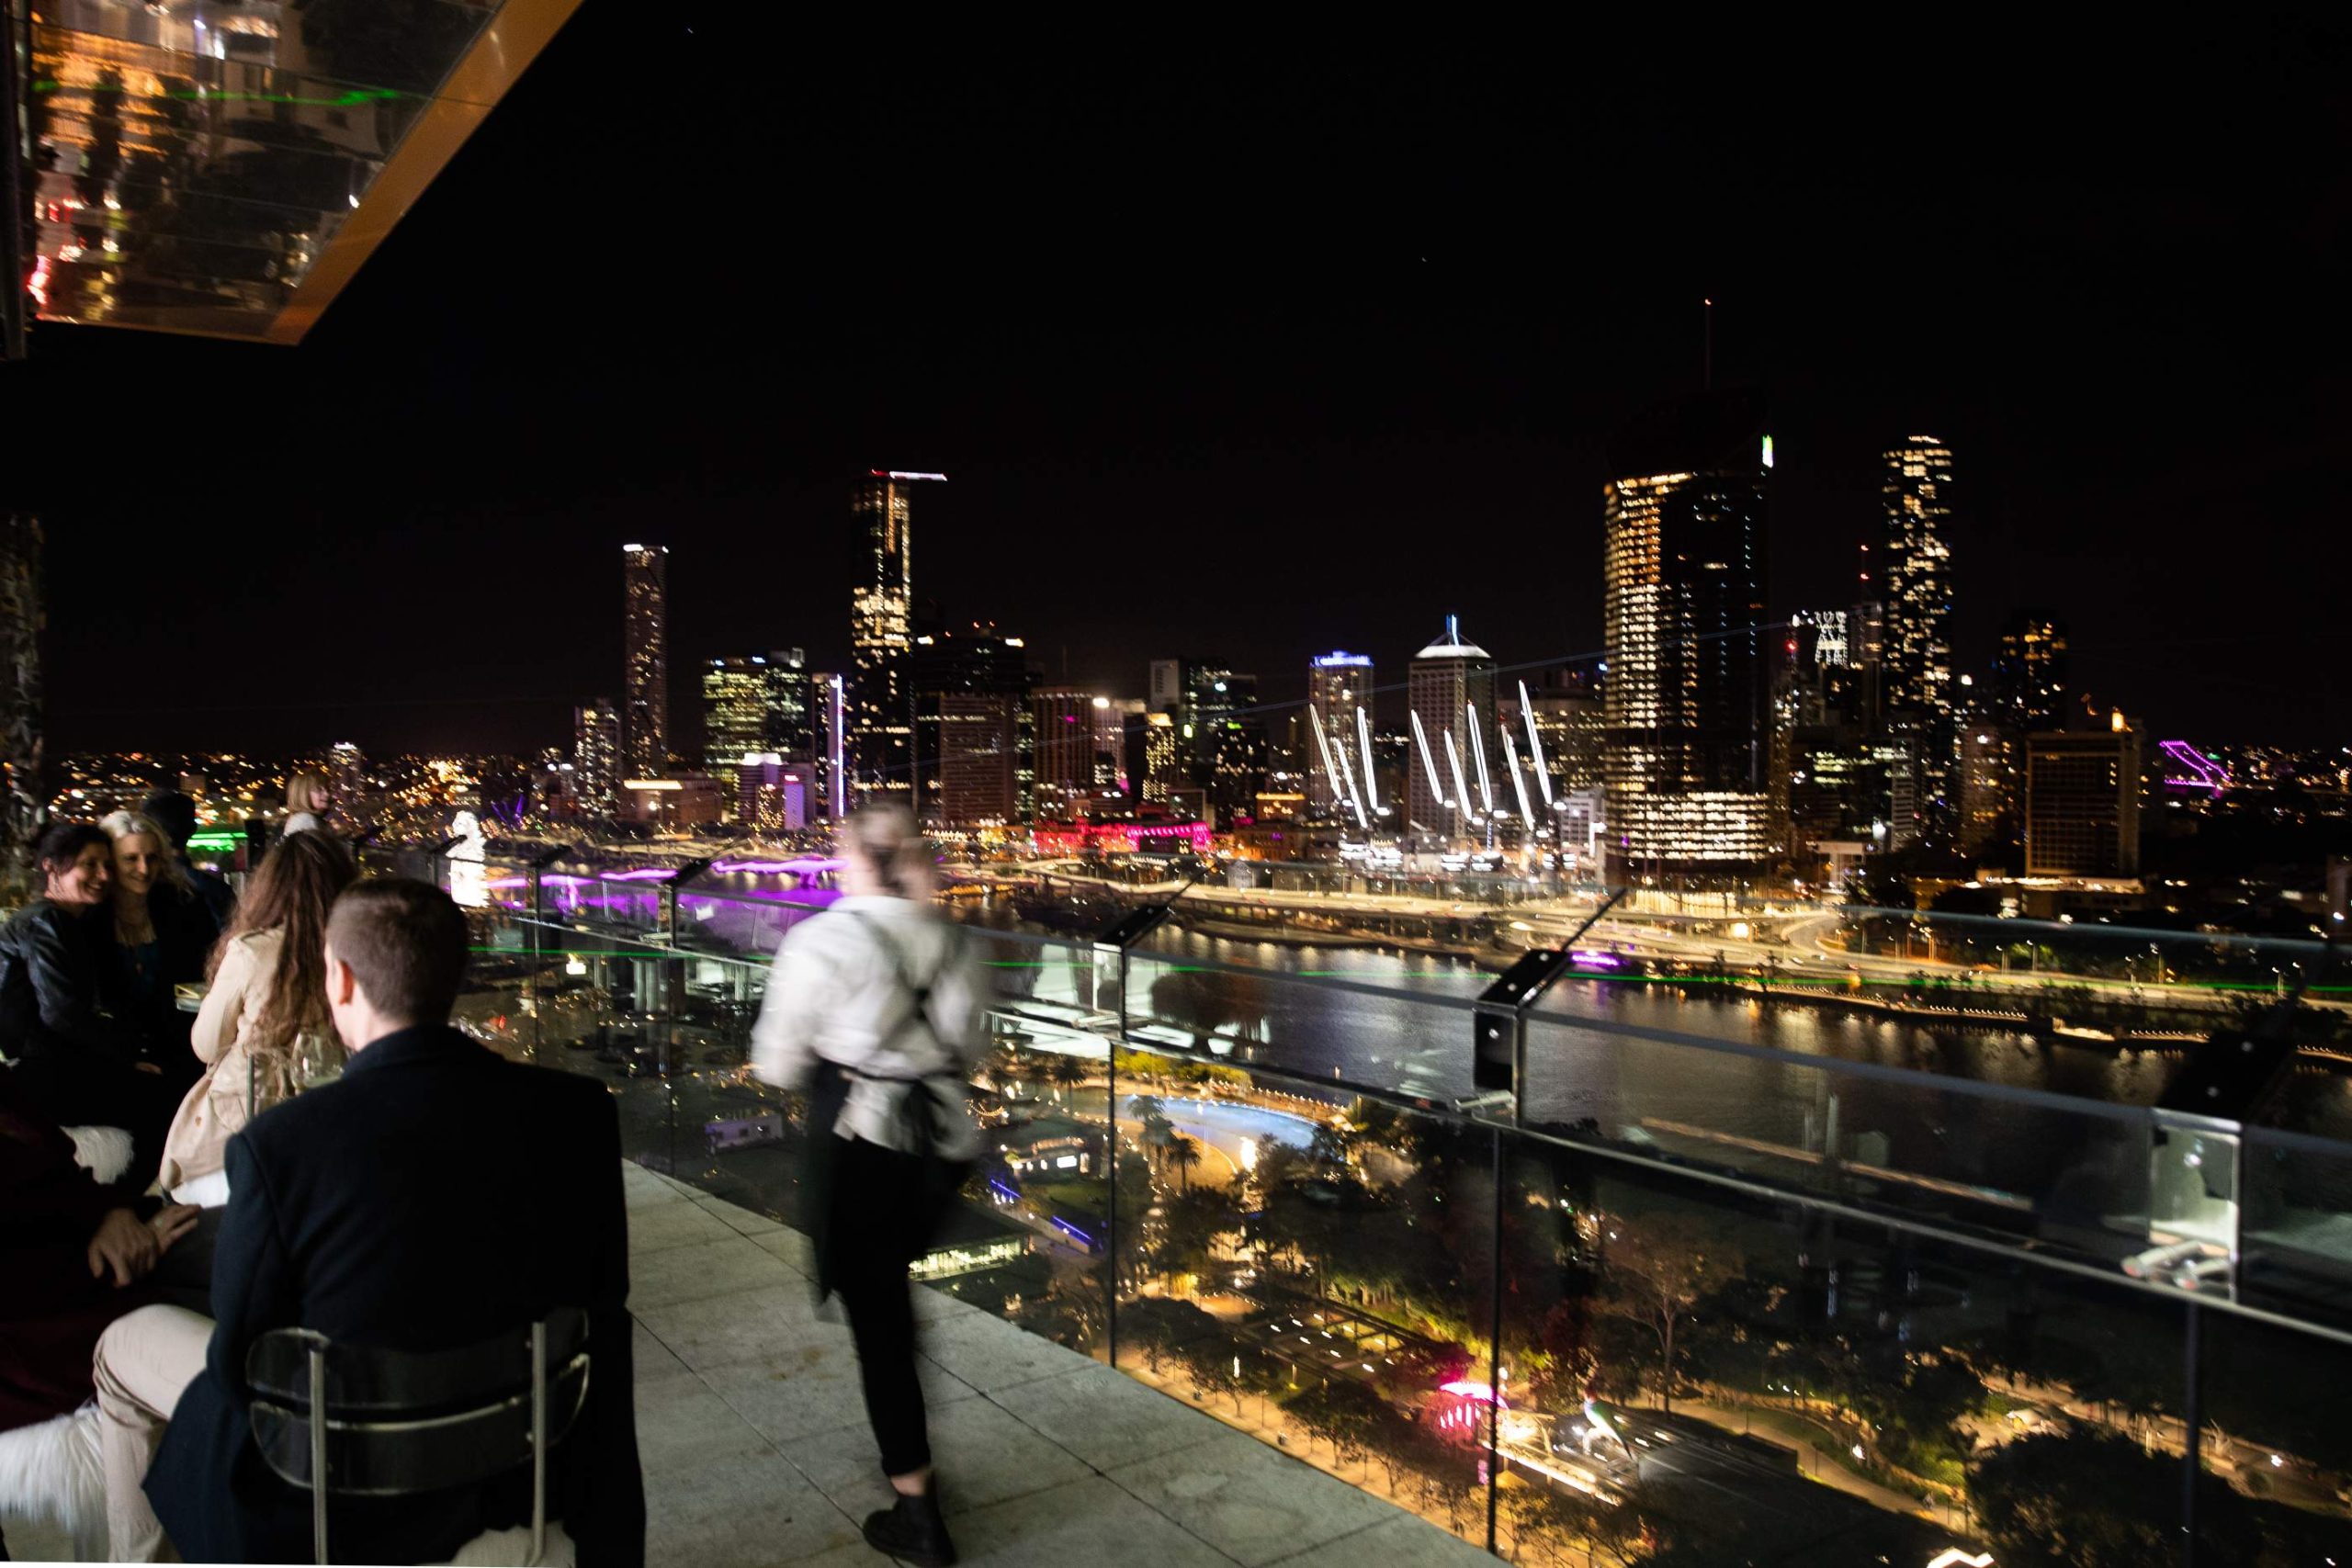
point(911, 1530)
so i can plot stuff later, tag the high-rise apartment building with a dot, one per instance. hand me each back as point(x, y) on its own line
point(597, 756)
point(2029, 671)
point(2082, 802)
point(1156, 756)
point(971, 743)
point(881, 720)
point(756, 704)
point(1338, 752)
point(1080, 738)
point(829, 725)
point(1682, 612)
point(645, 659)
point(1450, 695)
point(347, 775)
point(1914, 570)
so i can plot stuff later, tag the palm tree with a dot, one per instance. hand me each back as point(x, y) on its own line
point(1184, 1153)
point(1067, 1073)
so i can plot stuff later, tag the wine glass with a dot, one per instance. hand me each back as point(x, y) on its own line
point(318, 1059)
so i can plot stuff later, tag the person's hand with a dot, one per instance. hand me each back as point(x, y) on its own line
point(126, 1245)
point(172, 1221)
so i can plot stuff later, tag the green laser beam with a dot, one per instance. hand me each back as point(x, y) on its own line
point(349, 99)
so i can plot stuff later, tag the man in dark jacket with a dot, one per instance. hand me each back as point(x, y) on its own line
point(434, 1196)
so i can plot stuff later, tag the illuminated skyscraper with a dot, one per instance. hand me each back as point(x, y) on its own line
point(1338, 765)
point(2082, 802)
point(754, 705)
point(970, 727)
point(1456, 767)
point(1915, 582)
point(829, 725)
point(596, 755)
point(347, 775)
point(1682, 612)
point(645, 659)
point(1080, 747)
point(2029, 671)
point(881, 606)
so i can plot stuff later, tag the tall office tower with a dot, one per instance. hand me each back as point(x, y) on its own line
point(346, 774)
point(1080, 747)
point(828, 728)
point(645, 659)
point(1915, 582)
point(792, 705)
point(881, 609)
point(734, 715)
point(2029, 671)
point(597, 756)
point(1683, 614)
point(1456, 767)
point(2082, 802)
point(1154, 757)
point(1986, 785)
point(969, 691)
point(1337, 766)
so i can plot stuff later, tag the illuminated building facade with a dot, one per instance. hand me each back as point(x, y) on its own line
point(1160, 761)
point(645, 659)
point(2029, 671)
point(1338, 764)
point(971, 736)
point(881, 608)
point(346, 773)
point(2082, 802)
point(754, 704)
point(1080, 747)
point(1683, 614)
point(1916, 585)
point(597, 756)
point(1452, 778)
point(829, 693)
point(1073, 839)
point(1987, 782)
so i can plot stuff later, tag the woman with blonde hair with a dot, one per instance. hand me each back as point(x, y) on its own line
point(268, 990)
point(162, 930)
point(308, 803)
point(879, 1010)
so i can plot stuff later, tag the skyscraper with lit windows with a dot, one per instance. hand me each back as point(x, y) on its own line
point(1339, 687)
point(2029, 671)
point(1682, 612)
point(880, 717)
point(596, 755)
point(1916, 584)
point(645, 659)
point(1456, 767)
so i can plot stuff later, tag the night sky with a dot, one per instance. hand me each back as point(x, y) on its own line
point(1233, 345)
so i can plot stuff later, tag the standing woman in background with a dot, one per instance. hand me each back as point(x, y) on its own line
point(269, 989)
point(308, 804)
point(879, 1009)
point(163, 934)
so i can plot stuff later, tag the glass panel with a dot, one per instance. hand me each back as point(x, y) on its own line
point(1311, 1268)
point(2297, 1226)
point(2275, 1448)
point(1707, 1375)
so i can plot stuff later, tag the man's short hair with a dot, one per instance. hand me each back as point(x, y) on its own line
point(405, 941)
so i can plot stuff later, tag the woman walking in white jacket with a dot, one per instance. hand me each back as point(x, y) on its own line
point(879, 1009)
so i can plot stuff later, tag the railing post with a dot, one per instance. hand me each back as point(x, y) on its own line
point(1119, 939)
point(2192, 1415)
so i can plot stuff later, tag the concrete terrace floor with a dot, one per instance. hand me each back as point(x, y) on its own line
point(752, 1431)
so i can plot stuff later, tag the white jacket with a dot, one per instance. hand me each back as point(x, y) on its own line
point(835, 994)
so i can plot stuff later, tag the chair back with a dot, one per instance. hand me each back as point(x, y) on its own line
point(372, 1422)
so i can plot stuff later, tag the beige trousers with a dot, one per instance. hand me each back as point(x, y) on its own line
point(145, 1361)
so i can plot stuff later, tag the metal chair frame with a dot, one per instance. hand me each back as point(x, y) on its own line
point(316, 1348)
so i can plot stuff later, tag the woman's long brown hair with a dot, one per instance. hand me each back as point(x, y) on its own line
point(291, 894)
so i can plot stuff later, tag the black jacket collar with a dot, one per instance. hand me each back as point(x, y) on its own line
point(421, 1042)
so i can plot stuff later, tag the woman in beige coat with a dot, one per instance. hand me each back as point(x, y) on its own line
point(268, 989)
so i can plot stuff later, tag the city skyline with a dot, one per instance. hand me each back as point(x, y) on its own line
point(1339, 403)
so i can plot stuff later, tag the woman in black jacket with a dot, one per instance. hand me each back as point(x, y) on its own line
point(162, 935)
point(76, 1063)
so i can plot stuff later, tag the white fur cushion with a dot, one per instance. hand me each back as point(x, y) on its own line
point(104, 1152)
point(49, 1473)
